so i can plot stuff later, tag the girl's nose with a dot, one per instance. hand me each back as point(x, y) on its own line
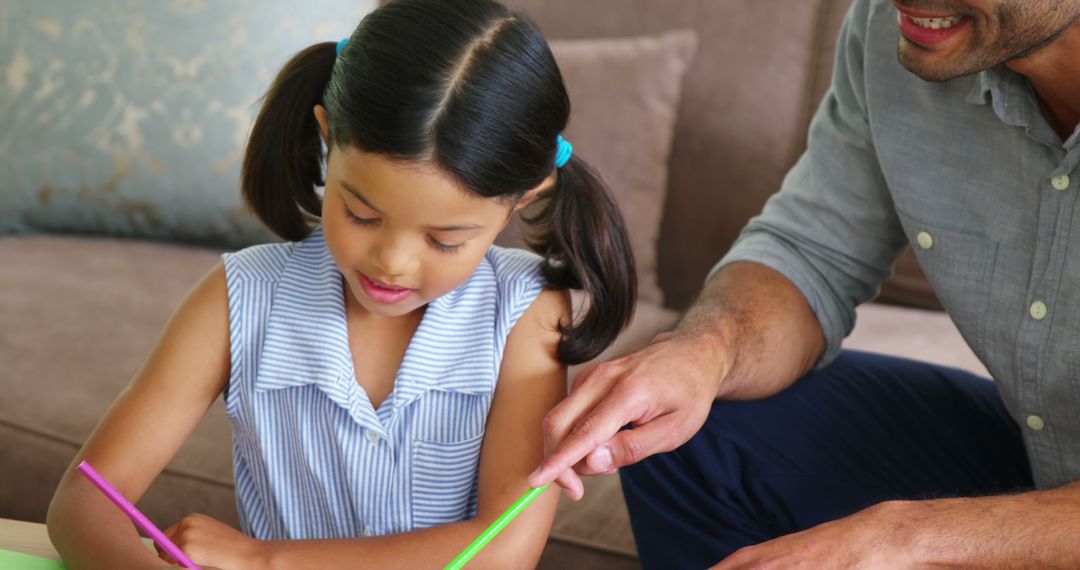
point(394, 259)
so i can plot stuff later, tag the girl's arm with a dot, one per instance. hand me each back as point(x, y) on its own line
point(141, 432)
point(531, 381)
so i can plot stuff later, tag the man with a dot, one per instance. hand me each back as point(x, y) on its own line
point(866, 460)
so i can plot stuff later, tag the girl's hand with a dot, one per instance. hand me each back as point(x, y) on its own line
point(209, 542)
point(173, 567)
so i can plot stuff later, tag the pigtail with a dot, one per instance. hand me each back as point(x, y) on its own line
point(283, 159)
point(584, 239)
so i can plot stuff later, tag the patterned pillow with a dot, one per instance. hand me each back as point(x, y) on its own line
point(130, 119)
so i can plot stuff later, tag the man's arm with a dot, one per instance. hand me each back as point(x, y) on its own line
point(750, 334)
point(1037, 529)
point(760, 325)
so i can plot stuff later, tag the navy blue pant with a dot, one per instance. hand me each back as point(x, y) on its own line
point(866, 429)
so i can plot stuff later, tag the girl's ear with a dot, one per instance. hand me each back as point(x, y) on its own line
point(324, 126)
point(531, 195)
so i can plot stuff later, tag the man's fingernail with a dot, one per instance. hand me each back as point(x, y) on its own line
point(601, 459)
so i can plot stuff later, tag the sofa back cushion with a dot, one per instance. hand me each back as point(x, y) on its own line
point(624, 94)
point(760, 71)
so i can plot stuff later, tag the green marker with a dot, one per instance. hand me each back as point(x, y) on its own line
point(497, 526)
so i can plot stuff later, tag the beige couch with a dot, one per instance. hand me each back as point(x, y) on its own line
point(78, 314)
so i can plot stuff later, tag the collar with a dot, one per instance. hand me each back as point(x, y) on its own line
point(454, 348)
point(306, 340)
point(1013, 101)
point(980, 88)
point(1008, 92)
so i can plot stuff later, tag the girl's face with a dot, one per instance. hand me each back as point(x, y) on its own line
point(403, 234)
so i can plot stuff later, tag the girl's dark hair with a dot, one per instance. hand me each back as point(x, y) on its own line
point(473, 88)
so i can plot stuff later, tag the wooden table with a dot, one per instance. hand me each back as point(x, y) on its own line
point(26, 537)
point(33, 538)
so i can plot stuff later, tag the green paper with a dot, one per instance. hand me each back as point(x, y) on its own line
point(18, 561)
point(500, 523)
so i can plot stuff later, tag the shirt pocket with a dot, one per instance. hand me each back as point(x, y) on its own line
point(447, 433)
point(959, 265)
point(444, 475)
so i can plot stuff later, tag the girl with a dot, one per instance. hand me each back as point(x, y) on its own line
point(386, 370)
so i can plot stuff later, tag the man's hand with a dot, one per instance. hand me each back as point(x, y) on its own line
point(1035, 529)
point(665, 391)
point(749, 335)
point(866, 540)
point(211, 543)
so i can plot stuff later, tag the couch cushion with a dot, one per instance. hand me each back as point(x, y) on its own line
point(116, 120)
point(740, 122)
point(80, 316)
point(912, 333)
point(649, 320)
point(610, 81)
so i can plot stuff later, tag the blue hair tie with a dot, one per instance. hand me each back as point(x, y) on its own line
point(563, 151)
point(341, 45)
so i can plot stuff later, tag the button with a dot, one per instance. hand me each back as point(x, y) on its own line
point(1035, 422)
point(1060, 182)
point(1038, 310)
point(371, 436)
point(925, 240)
point(366, 530)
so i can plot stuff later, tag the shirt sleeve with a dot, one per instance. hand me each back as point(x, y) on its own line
point(832, 229)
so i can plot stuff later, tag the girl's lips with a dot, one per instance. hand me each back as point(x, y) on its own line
point(381, 293)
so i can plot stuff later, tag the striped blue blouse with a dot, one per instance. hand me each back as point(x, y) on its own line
point(312, 457)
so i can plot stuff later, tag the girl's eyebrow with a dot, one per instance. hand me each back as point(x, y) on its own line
point(460, 228)
point(359, 196)
point(453, 228)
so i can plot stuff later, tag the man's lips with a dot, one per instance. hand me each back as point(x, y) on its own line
point(920, 14)
point(929, 30)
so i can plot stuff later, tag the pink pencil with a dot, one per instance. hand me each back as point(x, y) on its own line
point(137, 517)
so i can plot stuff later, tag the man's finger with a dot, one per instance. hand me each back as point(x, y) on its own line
point(630, 446)
point(595, 428)
point(582, 375)
point(571, 484)
point(564, 415)
point(662, 337)
point(590, 387)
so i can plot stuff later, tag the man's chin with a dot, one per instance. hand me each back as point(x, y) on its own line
point(916, 60)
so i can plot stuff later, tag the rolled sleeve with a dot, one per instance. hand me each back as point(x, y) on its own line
point(832, 230)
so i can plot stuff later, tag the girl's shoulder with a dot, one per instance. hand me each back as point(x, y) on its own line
point(513, 264)
point(519, 280)
point(264, 262)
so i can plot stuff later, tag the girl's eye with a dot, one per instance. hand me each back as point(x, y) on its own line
point(438, 245)
point(442, 247)
point(358, 220)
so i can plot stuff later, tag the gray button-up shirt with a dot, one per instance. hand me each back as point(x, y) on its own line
point(973, 177)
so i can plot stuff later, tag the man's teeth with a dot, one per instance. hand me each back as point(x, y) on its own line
point(937, 23)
